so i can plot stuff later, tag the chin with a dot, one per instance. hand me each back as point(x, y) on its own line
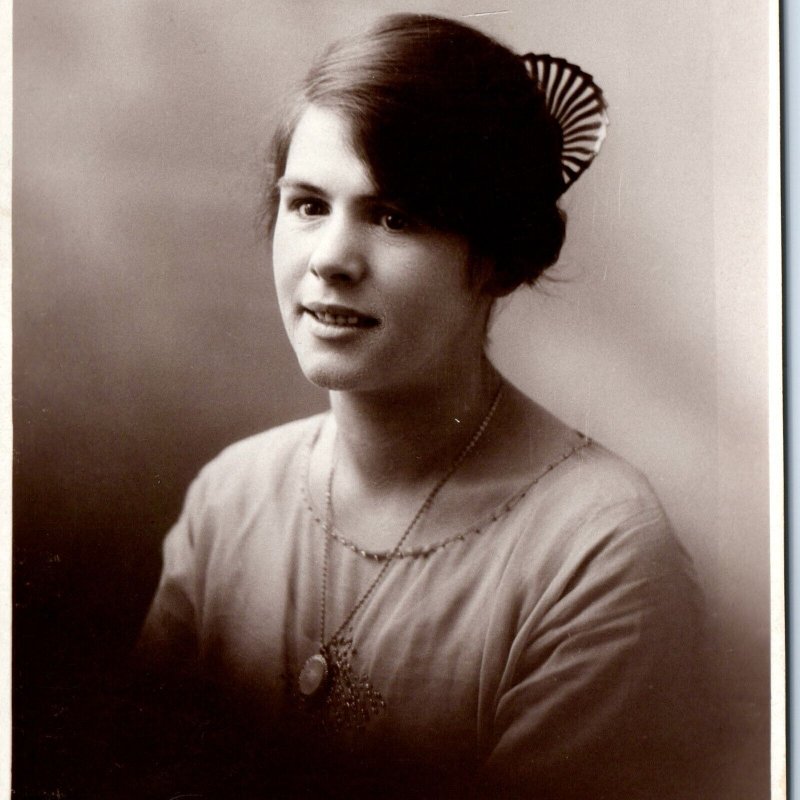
point(334, 380)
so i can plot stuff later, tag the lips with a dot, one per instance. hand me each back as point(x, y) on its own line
point(339, 316)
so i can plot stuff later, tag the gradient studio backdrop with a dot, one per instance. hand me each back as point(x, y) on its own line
point(147, 334)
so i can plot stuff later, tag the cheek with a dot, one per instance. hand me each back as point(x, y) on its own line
point(284, 258)
point(445, 279)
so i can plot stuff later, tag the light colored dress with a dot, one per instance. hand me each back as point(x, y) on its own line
point(550, 648)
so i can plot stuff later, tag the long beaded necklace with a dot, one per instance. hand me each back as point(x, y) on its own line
point(327, 680)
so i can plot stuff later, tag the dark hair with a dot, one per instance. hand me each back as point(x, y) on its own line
point(454, 130)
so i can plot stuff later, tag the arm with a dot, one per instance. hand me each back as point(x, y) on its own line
point(593, 703)
point(168, 640)
point(161, 720)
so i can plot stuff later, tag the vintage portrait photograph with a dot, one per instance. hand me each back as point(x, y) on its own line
point(396, 396)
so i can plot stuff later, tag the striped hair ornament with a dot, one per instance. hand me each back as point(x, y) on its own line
point(577, 104)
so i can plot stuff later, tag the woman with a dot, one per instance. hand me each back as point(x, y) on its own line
point(437, 587)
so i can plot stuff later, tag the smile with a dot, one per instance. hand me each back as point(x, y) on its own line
point(340, 317)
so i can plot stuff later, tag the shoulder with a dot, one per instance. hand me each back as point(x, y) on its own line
point(607, 617)
point(598, 564)
point(583, 505)
point(275, 444)
point(264, 463)
point(596, 516)
point(595, 480)
point(566, 469)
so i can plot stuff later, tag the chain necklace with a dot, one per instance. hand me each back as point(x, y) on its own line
point(327, 677)
point(473, 530)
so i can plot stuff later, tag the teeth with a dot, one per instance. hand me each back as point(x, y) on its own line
point(335, 319)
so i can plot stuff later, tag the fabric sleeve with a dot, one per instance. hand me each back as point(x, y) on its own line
point(594, 701)
point(168, 639)
point(168, 727)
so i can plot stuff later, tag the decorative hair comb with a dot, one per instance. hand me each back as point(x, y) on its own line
point(577, 104)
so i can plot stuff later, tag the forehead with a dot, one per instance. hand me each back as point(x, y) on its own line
point(321, 153)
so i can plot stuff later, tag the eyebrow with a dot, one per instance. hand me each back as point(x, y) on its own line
point(304, 186)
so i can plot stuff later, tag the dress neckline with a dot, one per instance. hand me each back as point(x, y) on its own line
point(497, 513)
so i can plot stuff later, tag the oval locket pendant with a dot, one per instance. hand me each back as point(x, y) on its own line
point(313, 675)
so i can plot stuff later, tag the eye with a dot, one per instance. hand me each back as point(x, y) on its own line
point(308, 207)
point(393, 220)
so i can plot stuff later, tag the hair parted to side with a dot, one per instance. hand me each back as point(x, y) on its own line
point(453, 130)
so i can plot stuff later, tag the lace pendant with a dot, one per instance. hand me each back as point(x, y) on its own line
point(329, 690)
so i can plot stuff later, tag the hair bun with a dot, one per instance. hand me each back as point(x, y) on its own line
point(576, 102)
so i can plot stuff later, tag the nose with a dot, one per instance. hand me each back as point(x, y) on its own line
point(338, 254)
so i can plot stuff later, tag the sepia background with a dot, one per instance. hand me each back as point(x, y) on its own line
point(147, 335)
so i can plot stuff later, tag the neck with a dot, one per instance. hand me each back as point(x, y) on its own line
point(406, 437)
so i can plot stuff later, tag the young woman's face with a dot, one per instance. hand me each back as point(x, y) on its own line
point(371, 298)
